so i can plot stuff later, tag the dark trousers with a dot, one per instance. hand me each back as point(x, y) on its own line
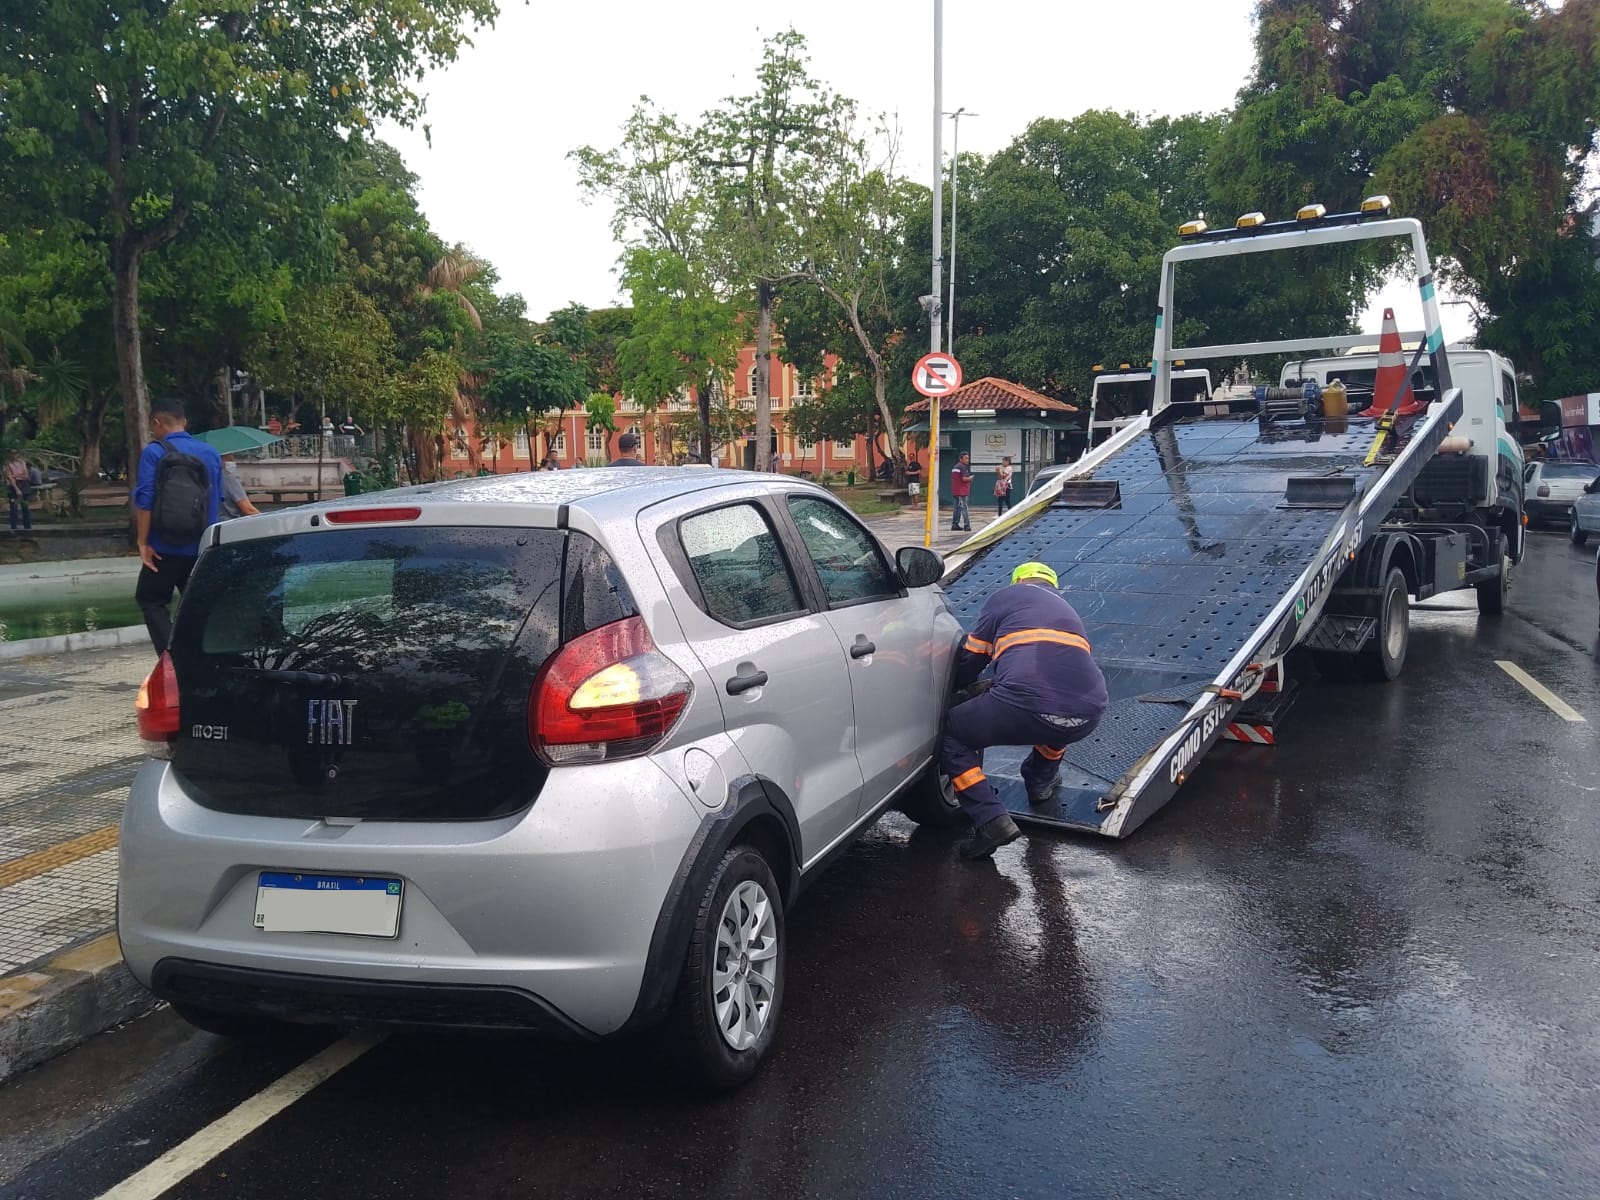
point(154, 594)
point(985, 721)
point(21, 502)
point(1002, 503)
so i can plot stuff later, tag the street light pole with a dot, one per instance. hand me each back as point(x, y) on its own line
point(955, 167)
point(935, 320)
point(934, 323)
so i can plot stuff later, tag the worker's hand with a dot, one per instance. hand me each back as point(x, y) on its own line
point(148, 556)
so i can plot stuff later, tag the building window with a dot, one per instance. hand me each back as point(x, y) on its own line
point(807, 447)
point(752, 380)
point(597, 439)
point(519, 444)
point(559, 444)
point(844, 450)
point(804, 389)
point(458, 445)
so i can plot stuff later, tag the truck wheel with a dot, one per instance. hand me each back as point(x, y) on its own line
point(931, 801)
point(1492, 592)
point(730, 994)
point(1578, 536)
point(1382, 660)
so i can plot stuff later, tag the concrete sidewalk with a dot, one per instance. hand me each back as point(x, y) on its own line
point(69, 750)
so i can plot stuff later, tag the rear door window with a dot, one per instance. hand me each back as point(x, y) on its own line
point(739, 566)
point(371, 673)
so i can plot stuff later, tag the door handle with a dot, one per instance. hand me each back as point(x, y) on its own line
point(862, 647)
point(744, 681)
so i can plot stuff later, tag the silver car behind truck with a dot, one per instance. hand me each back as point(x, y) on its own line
point(546, 752)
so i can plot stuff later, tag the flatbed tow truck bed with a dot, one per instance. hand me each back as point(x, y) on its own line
point(1210, 559)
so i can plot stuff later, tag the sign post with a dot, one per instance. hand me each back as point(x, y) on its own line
point(935, 376)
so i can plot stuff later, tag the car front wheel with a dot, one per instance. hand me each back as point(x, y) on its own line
point(730, 995)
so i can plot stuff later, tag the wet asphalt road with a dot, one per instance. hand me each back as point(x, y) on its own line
point(1363, 963)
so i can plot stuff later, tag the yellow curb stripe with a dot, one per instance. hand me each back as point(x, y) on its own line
point(49, 859)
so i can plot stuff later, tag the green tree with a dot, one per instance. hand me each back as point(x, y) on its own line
point(762, 152)
point(528, 378)
point(125, 121)
point(1478, 117)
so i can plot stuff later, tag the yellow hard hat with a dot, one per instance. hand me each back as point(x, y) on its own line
point(1034, 570)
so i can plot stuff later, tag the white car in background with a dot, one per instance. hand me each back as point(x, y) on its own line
point(1551, 488)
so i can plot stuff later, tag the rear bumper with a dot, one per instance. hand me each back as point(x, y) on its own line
point(1547, 508)
point(542, 920)
point(332, 1000)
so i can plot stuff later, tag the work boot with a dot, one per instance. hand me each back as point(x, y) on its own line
point(989, 837)
point(1043, 795)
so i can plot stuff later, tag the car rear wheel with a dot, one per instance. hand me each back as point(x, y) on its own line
point(730, 994)
point(1578, 536)
point(224, 1024)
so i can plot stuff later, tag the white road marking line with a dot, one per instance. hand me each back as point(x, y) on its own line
point(1551, 701)
point(198, 1149)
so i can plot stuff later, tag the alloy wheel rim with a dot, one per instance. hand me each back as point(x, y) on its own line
point(744, 972)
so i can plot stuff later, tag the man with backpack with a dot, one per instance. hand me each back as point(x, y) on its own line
point(176, 495)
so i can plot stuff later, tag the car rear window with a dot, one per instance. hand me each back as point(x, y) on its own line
point(1583, 471)
point(373, 673)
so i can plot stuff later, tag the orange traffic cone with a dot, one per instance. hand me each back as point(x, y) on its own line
point(1392, 376)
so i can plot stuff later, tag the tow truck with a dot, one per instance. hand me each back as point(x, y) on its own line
point(1120, 397)
point(1205, 540)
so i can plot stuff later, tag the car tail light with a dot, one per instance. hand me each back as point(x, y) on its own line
point(605, 695)
point(157, 707)
point(372, 516)
point(1542, 490)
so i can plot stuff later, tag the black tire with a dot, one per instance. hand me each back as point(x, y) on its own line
point(1383, 660)
point(224, 1024)
point(1492, 592)
point(930, 801)
point(692, 1032)
point(1578, 536)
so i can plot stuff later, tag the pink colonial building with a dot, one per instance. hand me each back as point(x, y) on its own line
point(663, 434)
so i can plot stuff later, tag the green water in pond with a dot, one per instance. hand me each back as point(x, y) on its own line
point(72, 608)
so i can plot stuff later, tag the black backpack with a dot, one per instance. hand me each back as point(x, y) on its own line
point(182, 505)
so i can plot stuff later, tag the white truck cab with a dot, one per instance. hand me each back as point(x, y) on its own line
point(1123, 396)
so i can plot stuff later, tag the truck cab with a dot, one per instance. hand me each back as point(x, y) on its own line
point(1122, 396)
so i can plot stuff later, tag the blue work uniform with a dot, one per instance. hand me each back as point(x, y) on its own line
point(1047, 693)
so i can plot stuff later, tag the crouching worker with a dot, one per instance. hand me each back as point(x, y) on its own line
point(1047, 692)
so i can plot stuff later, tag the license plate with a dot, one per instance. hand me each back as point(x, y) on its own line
point(355, 904)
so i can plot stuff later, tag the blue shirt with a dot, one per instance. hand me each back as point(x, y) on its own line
point(1040, 652)
point(144, 487)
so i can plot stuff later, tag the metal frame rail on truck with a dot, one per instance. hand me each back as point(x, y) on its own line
point(1210, 537)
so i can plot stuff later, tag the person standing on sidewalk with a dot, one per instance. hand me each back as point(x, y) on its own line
point(960, 491)
point(1002, 487)
point(19, 490)
point(177, 494)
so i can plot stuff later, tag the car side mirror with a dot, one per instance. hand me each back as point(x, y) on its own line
point(1593, 485)
point(919, 567)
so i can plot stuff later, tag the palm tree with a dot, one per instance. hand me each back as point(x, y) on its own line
point(455, 269)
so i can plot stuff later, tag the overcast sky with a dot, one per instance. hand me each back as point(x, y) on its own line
point(550, 78)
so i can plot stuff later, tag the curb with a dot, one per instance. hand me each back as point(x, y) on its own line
point(65, 1001)
point(96, 639)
